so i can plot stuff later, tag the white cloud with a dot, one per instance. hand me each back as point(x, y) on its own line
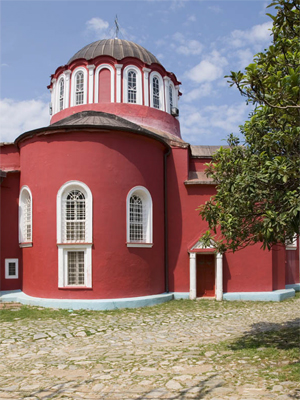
point(4, 65)
point(192, 18)
point(211, 123)
point(203, 90)
point(215, 9)
point(192, 47)
point(98, 27)
point(177, 4)
point(256, 35)
point(17, 117)
point(209, 69)
point(245, 57)
point(187, 47)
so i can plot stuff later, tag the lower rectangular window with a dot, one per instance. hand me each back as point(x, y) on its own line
point(75, 267)
point(11, 268)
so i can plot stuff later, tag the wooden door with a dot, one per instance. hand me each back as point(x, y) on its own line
point(205, 275)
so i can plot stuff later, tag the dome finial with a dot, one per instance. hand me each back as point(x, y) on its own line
point(117, 27)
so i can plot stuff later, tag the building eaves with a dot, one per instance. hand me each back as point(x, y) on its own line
point(204, 151)
point(93, 120)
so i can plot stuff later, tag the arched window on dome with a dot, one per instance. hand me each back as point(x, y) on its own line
point(132, 85)
point(79, 88)
point(171, 97)
point(157, 91)
point(25, 217)
point(61, 94)
point(74, 234)
point(139, 218)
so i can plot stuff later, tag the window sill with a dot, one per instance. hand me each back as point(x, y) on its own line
point(149, 245)
point(74, 244)
point(29, 244)
point(75, 288)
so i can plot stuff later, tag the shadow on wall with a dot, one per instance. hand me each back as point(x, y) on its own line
point(174, 218)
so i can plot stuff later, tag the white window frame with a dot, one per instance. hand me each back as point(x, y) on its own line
point(65, 246)
point(292, 244)
point(7, 262)
point(145, 195)
point(22, 241)
point(161, 91)
point(73, 86)
point(112, 82)
point(172, 88)
point(61, 78)
point(139, 91)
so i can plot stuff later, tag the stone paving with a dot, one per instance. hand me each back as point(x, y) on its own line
point(150, 353)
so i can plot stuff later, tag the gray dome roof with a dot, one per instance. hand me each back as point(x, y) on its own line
point(116, 48)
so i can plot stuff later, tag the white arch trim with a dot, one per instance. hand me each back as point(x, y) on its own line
point(161, 90)
point(22, 241)
point(139, 94)
point(112, 82)
point(61, 78)
point(73, 85)
point(145, 195)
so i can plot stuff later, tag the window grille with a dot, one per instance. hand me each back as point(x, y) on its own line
point(61, 95)
point(25, 216)
point(137, 220)
point(171, 97)
point(79, 88)
point(75, 267)
point(11, 268)
point(12, 271)
point(27, 219)
point(131, 87)
point(75, 217)
point(155, 93)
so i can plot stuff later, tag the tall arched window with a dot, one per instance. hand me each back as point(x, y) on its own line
point(25, 216)
point(157, 96)
point(155, 92)
point(131, 87)
point(74, 235)
point(139, 218)
point(61, 94)
point(79, 90)
point(171, 97)
point(75, 216)
point(136, 219)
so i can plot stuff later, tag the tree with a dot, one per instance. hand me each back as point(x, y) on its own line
point(257, 179)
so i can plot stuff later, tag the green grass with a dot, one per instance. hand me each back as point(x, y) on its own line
point(184, 307)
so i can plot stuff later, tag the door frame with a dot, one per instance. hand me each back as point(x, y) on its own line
point(218, 271)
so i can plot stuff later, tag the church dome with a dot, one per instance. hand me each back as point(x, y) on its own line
point(116, 48)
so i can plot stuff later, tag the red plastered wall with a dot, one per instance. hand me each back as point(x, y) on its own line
point(9, 192)
point(110, 164)
point(9, 157)
point(247, 270)
point(292, 266)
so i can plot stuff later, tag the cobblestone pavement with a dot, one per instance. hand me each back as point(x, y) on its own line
point(150, 353)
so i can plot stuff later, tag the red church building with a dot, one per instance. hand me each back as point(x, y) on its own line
point(98, 209)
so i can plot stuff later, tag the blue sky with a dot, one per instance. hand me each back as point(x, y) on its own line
point(200, 41)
